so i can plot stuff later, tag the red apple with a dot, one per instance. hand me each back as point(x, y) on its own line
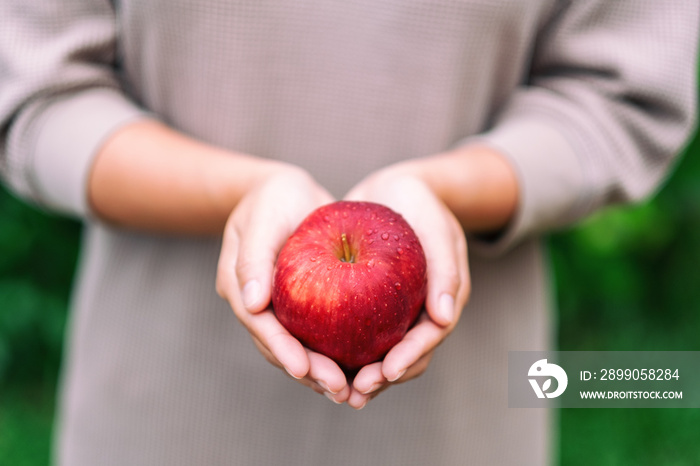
point(350, 282)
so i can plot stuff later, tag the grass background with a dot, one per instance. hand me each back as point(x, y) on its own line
point(626, 279)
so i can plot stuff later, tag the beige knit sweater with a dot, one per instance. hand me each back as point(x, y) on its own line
point(589, 99)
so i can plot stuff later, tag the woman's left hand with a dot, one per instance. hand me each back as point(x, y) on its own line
point(401, 188)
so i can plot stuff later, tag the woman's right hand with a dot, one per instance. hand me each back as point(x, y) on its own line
point(255, 232)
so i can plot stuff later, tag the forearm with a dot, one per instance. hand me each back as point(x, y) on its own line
point(476, 183)
point(147, 176)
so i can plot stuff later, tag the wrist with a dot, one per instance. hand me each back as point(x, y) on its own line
point(476, 182)
point(229, 177)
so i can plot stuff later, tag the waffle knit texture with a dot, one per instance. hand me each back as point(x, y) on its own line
point(590, 101)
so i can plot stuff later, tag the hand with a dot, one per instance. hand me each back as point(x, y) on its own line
point(401, 188)
point(255, 232)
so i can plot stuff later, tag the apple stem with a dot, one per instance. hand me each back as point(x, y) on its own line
point(346, 249)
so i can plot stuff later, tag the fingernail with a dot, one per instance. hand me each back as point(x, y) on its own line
point(290, 373)
point(446, 307)
point(329, 395)
point(398, 376)
point(371, 389)
point(251, 293)
point(325, 387)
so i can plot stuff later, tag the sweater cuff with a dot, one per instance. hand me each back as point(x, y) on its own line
point(552, 188)
point(68, 135)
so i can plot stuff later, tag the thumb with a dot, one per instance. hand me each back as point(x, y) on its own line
point(443, 284)
point(259, 244)
point(448, 276)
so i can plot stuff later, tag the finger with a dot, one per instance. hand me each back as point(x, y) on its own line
point(316, 385)
point(328, 375)
point(369, 378)
point(360, 395)
point(324, 376)
point(357, 400)
point(261, 238)
point(416, 369)
point(446, 267)
point(368, 383)
point(282, 346)
point(423, 338)
point(269, 357)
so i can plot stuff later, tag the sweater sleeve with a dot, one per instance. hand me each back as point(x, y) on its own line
point(607, 104)
point(59, 97)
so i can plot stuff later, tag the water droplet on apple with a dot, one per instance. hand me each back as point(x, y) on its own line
point(397, 285)
point(370, 241)
point(385, 236)
point(370, 263)
point(392, 219)
point(313, 259)
point(396, 237)
point(369, 231)
point(399, 250)
point(326, 218)
point(329, 267)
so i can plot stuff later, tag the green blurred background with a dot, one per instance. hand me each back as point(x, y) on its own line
point(626, 279)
